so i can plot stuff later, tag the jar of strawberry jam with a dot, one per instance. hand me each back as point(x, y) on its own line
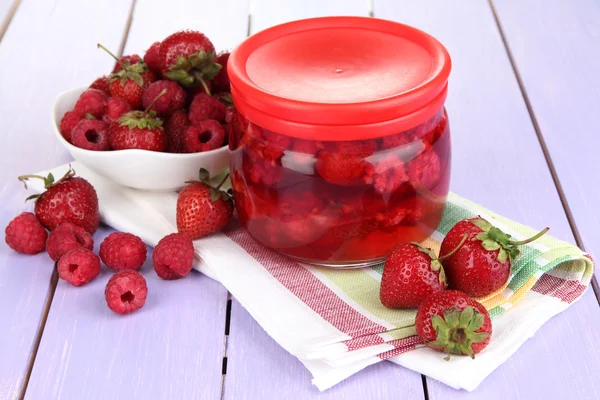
point(340, 147)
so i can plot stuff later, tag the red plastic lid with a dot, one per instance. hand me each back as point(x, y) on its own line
point(339, 78)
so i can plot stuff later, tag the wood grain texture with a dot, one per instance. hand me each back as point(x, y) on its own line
point(258, 368)
point(556, 49)
point(498, 162)
point(170, 349)
point(49, 47)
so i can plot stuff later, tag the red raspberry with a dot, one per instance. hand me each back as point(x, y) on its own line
point(126, 292)
point(121, 251)
point(275, 144)
point(67, 123)
point(92, 102)
point(424, 170)
point(260, 170)
point(91, 134)
point(192, 92)
point(173, 256)
point(205, 107)
point(66, 237)
point(203, 136)
point(25, 234)
point(305, 146)
point(345, 165)
point(397, 140)
point(115, 107)
point(386, 173)
point(78, 266)
point(220, 82)
point(174, 99)
point(132, 60)
point(151, 58)
point(175, 128)
point(101, 84)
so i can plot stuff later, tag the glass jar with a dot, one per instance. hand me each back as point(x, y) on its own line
point(340, 147)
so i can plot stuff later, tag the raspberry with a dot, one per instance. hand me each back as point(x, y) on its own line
point(305, 146)
point(174, 99)
point(91, 134)
point(121, 251)
point(386, 173)
point(424, 170)
point(92, 102)
point(151, 58)
point(408, 212)
point(192, 92)
point(260, 170)
point(175, 128)
point(220, 82)
point(25, 234)
point(345, 165)
point(275, 144)
point(126, 292)
point(67, 123)
point(66, 237)
point(101, 84)
point(203, 136)
point(205, 107)
point(115, 107)
point(132, 59)
point(173, 256)
point(78, 266)
point(397, 140)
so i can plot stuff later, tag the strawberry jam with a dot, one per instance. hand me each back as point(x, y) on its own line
point(340, 145)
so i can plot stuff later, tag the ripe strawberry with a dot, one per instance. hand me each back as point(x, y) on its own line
point(126, 61)
point(126, 292)
point(25, 234)
point(101, 83)
point(205, 107)
point(151, 58)
point(174, 98)
point(115, 107)
point(138, 130)
point(173, 256)
point(70, 199)
point(91, 102)
point(188, 57)
point(68, 122)
point(78, 266)
point(451, 322)
point(202, 209)
point(482, 265)
point(410, 274)
point(91, 134)
point(203, 136)
point(129, 81)
point(220, 82)
point(175, 127)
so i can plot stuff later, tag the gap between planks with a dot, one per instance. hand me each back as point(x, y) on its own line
point(550, 163)
point(226, 344)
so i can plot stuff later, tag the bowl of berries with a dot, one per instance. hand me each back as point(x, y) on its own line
point(153, 122)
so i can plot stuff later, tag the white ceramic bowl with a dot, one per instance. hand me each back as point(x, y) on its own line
point(139, 169)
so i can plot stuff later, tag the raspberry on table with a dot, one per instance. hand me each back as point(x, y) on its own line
point(92, 102)
point(126, 292)
point(115, 107)
point(175, 97)
point(205, 107)
point(68, 122)
point(203, 136)
point(66, 237)
point(25, 234)
point(91, 134)
point(173, 256)
point(78, 266)
point(123, 251)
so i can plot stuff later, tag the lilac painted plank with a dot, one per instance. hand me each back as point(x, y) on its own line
point(33, 69)
point(170, 349)
point(556, 49)
point(175, 344)
point(498, 162)
point(257, 367)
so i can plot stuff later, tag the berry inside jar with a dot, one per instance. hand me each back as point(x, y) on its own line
point(340, 203)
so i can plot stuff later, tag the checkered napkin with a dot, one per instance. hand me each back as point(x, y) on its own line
point(332, 320)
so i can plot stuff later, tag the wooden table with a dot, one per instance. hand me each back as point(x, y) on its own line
point(524, 103)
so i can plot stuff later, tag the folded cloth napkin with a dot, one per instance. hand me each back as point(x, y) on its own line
point(332, 320)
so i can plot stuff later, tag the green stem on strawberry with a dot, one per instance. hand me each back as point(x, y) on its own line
point(455, 249)
point(531, 239)
point(205, 86)
point(112, 55)
point(222, 181)
point(154, 101)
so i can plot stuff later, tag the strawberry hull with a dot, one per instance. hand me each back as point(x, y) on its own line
point(396, 194)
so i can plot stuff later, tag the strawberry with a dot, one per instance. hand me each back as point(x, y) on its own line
point(482, 265)
point(410, 274)
point(70, 199)
point(138, 130)
point(101, 83)
point(188, 57)
point(451, 322)
point(221, 81)
point(130, 80)
point(202, 209)
point(126, 61)
point(151, 58)
point(175, 127)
